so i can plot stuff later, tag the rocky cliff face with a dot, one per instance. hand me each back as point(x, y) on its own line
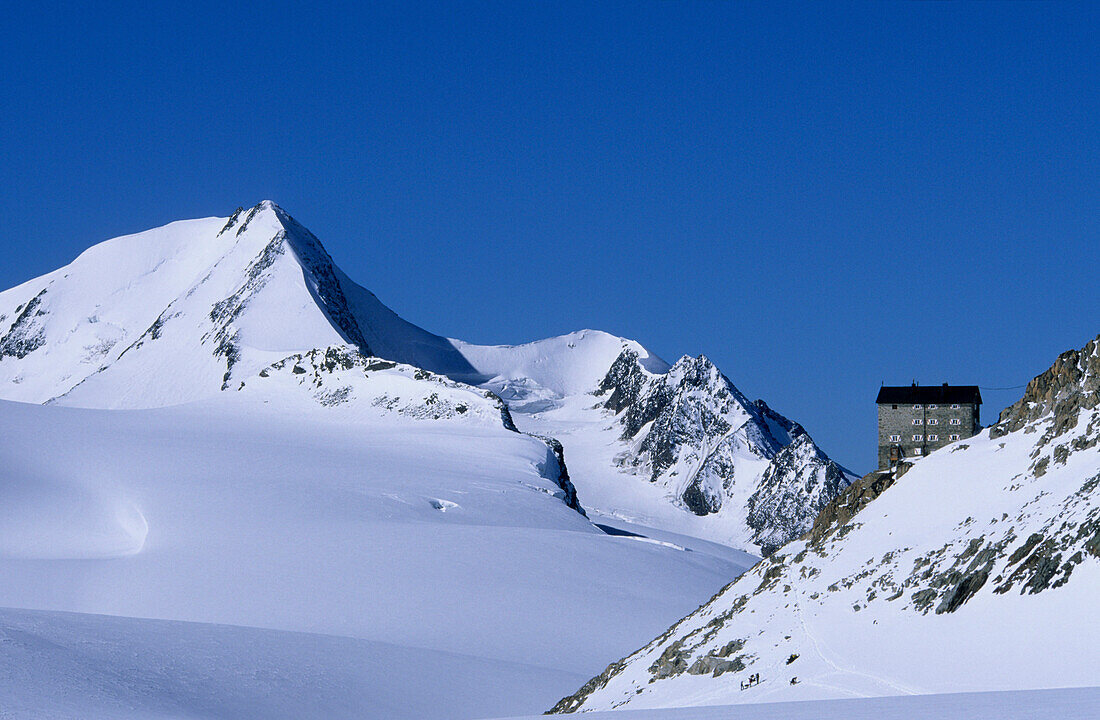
point(984, 548)
point(1059, 396)
point(800, 481)
point(692, 430)
point(25, 334)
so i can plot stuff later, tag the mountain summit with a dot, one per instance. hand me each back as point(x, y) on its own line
point(183, 311)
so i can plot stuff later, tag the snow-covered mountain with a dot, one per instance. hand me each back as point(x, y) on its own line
point(197, 308)
point(181, 312)
point(672, 447)
point(959, 575)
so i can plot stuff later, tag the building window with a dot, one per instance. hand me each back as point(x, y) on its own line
point(933, 421)
point(895, 438)
point(953, 437)
point(956, 421)
point(916, 451)
point(895, 407)
point(933, 407)
point(933, 438)
point(954, 407)
point(918, 421)
point(916, 407)
point(918, 438)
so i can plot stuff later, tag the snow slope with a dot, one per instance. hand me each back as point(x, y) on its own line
point(69, 666)
point(975, 570)
point(1003, 705)
point(401, 525)
point(536, 375)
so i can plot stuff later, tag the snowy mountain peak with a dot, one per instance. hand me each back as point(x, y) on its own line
point(186, 310)
point(690, 430)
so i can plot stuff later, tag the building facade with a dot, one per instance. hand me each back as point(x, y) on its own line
point(914, 420)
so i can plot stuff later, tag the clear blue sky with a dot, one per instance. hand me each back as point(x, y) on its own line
point(820, 197)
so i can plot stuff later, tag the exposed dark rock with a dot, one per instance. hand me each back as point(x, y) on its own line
point(26, 334)
point(572, 703)
point(715, 666)
point(624, 380)
point(251, 214)
point(731, 647)
point(923, 599)
point(673, 661)
point(555, 470)
point(963, 590)
point(1021, 552)
point(850, 501)
point(232, 220)
point(1070, 385)
point(701, 502)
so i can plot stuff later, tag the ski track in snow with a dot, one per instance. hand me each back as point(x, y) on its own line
point(843, 670)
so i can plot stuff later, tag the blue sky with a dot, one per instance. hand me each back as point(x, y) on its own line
point(820, 197)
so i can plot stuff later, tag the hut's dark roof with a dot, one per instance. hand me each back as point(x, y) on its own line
point(926, 394)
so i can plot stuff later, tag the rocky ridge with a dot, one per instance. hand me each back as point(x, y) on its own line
point(692, 430)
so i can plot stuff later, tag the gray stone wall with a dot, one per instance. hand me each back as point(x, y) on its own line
point(933, 428)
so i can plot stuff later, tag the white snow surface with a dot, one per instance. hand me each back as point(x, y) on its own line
point(1056, 704)
point(538, 374)
point(368, 559)
point(97, 667)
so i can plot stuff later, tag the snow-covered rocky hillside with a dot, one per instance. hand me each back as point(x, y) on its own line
point(1053, 704)
point(197, 308)
point(978, 569)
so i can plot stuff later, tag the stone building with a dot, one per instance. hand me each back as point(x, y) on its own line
point(915, 420)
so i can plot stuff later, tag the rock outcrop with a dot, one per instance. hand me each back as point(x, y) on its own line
point(691, 430)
